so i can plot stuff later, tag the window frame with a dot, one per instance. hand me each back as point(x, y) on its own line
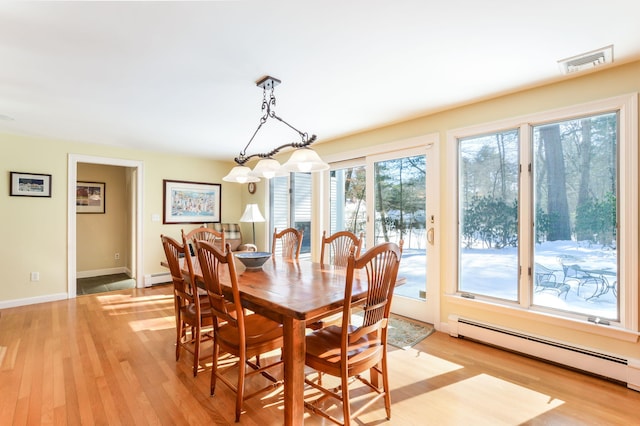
point(292, 205)
point(627, 108)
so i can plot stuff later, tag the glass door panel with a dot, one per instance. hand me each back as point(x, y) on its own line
point(348, 204)
point(398, 188)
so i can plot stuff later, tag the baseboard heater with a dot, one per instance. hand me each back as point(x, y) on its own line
point(590, 361)
point(159, 278)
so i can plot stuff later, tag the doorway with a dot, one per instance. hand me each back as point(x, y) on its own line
point(402, 196)
point(134, 173)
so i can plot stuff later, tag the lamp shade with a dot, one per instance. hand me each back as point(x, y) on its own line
point(305, 160)
point(268, 168)
point(240, 174)
point(252, 214)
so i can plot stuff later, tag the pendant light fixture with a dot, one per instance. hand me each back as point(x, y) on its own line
point(303, 159)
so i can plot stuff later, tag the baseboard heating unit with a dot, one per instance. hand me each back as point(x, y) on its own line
point(159, 278)
point(620, 369)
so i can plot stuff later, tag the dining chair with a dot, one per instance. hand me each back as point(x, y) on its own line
point(289, 241)
point(237, 333)
point(337, 246)
point(336, 249)
point(191, 310)
point(202, 233)
point(348, 350)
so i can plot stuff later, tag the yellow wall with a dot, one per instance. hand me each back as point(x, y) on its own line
point(34, 230)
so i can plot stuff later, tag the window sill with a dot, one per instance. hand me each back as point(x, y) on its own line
point(610, 331)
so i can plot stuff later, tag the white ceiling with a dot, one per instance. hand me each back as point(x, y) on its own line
point(180, 76)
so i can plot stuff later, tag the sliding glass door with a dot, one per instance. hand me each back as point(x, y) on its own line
point(393, 197)
point(398, 198)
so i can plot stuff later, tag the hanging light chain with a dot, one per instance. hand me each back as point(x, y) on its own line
point(268, 107)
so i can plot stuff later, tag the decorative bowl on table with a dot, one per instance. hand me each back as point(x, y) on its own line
point(253, 259)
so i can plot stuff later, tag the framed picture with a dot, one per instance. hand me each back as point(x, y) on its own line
point(191, 202)
point(30, 185)
point(90, 197)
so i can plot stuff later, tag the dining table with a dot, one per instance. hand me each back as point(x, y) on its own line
point(292, 292)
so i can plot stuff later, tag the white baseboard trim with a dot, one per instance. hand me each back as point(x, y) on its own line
point(100, 272)
point(33, 300)
point(161, 278)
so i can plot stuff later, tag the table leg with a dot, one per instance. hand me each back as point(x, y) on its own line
point(294, 350)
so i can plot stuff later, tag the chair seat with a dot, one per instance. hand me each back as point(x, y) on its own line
point(262, 335)
point(189, 311)
point(323, 348)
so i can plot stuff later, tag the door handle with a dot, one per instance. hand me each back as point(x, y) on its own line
point(430, 236)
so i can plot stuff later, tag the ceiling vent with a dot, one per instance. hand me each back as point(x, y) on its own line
point(587, 60)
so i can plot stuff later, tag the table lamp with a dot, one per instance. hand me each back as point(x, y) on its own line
point(252, 214)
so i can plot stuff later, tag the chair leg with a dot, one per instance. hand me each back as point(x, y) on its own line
point(346, 409)
point(242, 363)
point(214, 367)
point(385, 385)
point(196, 352)
point(179, 334)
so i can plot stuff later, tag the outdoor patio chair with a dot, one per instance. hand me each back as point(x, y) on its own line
point(574, 273)
point(546, 280)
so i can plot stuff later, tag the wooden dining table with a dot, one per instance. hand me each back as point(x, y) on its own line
point(293, 292)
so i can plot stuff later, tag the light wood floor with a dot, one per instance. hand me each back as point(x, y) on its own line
point(109, 359)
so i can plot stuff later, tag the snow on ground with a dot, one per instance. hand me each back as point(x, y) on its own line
point(494, 272)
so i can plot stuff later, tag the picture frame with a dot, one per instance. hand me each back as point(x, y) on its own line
point(29, 185)
point(90, 197)
point(191, 202)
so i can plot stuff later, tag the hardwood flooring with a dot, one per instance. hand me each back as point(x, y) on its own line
point(110, 359)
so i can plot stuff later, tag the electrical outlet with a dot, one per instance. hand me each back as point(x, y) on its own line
point(117, 256)
point(35, 276)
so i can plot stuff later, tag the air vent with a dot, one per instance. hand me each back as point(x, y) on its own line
point(587, 60)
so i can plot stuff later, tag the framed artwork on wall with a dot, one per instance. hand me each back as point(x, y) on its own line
point(29, 185)
point(90, 197)
point(191, 202)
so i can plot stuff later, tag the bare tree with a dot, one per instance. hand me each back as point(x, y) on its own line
point(585, 170)
point(557, 205)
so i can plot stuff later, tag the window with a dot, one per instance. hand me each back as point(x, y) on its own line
point(488, 214)
point(347, 200)
point(290, 206)
point(547, 216)
point(575, 203)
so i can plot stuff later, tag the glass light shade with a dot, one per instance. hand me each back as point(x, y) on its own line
point(252, 214)
point(240, 174)
point(268, 168)
point(305, 160)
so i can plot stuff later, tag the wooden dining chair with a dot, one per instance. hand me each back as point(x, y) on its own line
point(349, 350)
point(337, 246)
point(242, 335)
point(192, 312)
point(189, 239)
point(289, 241)
point(336, 249)
point(202, 233)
